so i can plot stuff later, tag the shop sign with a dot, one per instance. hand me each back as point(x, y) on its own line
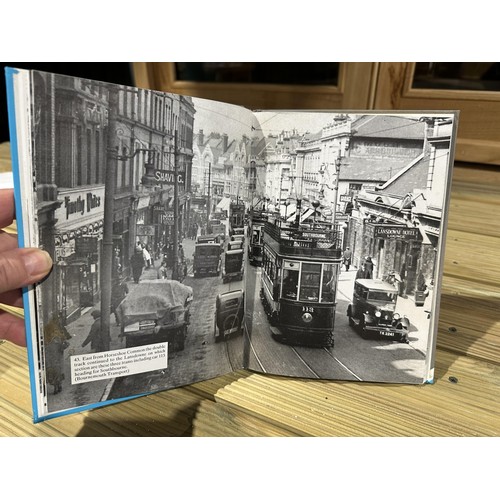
point(78, 204)
point(169, 177)
point(85, 245)
point(168, 218)
point(143, 202)
point(396, 232)
point(145, 230)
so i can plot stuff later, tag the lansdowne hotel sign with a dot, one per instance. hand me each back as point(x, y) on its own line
point(389, 232)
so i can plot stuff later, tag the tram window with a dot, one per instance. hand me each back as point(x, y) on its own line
point(290, 283)
point(309, 284)
point(328, 288)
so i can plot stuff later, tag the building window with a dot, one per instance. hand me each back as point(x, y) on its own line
point(89, 157)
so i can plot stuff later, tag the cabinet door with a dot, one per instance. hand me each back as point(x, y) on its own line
point(458, 86)
point(265, 85)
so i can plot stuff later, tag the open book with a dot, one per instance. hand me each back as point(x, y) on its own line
point(191, 238)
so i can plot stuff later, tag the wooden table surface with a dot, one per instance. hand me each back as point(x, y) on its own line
point(463, 401)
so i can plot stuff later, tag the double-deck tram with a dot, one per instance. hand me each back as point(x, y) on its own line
point(300, 269)
point(256, 236)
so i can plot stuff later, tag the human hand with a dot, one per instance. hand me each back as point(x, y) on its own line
point(19, 267)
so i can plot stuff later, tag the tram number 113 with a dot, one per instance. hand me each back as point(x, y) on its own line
point(308, 309)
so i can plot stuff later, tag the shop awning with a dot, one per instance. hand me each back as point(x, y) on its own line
point(224, 204)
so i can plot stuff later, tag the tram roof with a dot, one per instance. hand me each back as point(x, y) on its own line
point(236, 251)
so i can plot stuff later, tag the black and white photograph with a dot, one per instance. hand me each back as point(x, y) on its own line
point(193, 238)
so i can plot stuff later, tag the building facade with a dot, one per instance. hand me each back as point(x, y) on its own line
point(71, 177)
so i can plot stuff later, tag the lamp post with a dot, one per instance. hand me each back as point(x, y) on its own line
point(338, 163)
point(107, 231)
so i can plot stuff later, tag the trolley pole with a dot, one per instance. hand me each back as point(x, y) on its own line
point(338, 163)
point(208, 197)
point(175, 268)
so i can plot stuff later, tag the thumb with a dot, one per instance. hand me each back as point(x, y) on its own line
point(23, 266)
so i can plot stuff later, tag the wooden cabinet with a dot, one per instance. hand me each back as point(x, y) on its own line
point(361, 85)
point(353, 89)
point(479, 120)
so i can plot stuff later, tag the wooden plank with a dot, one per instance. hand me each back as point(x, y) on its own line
point(474, 257)
point(469, 407)
point(168, 413)
point(213, 419)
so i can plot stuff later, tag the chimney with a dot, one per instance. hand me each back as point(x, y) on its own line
point(224, 142)
point(200, 137)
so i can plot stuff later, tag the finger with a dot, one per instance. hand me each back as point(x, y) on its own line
point(8, 241)
point(7, 204)
point(23, 266)
point(12, 329)
point(12, 298)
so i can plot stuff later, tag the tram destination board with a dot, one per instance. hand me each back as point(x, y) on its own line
point(290, 283)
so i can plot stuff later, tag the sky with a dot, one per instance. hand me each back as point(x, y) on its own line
point(213, 116)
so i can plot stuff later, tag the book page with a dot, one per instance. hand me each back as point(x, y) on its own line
point(131, 191)
point(346, 245)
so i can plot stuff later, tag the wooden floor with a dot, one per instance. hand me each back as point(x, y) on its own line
point(463, 401)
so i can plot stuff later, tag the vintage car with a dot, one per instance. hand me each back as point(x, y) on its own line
point(208, 238)
point(238, 237)
point(372, 311)
point(233, 265)
point(207, 259)
point(235, 245)
point(156, 311)
point(238, 231)
point(229, 314)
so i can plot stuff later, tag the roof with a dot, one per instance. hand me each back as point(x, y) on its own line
point(414, 177)
point(371, 169)
point(389, 127)
point(377, 285)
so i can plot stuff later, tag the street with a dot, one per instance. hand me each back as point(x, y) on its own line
point(352, 357)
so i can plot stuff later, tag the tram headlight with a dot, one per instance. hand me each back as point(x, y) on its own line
point(307, 317)
point(378, 314)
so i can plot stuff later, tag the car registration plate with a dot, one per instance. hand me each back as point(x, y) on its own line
point(386, 334)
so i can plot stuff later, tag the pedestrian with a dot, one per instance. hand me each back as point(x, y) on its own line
point(369, 267)
point(361, 272)
point(94, 336)
point(120, 291)
point(137, 263)
point(162, 271)
point(146, 256)
point(403, 282)
point(56, 339)
point(181, 252)
point(347, 258)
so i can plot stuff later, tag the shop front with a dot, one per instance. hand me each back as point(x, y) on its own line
point(78, 247)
